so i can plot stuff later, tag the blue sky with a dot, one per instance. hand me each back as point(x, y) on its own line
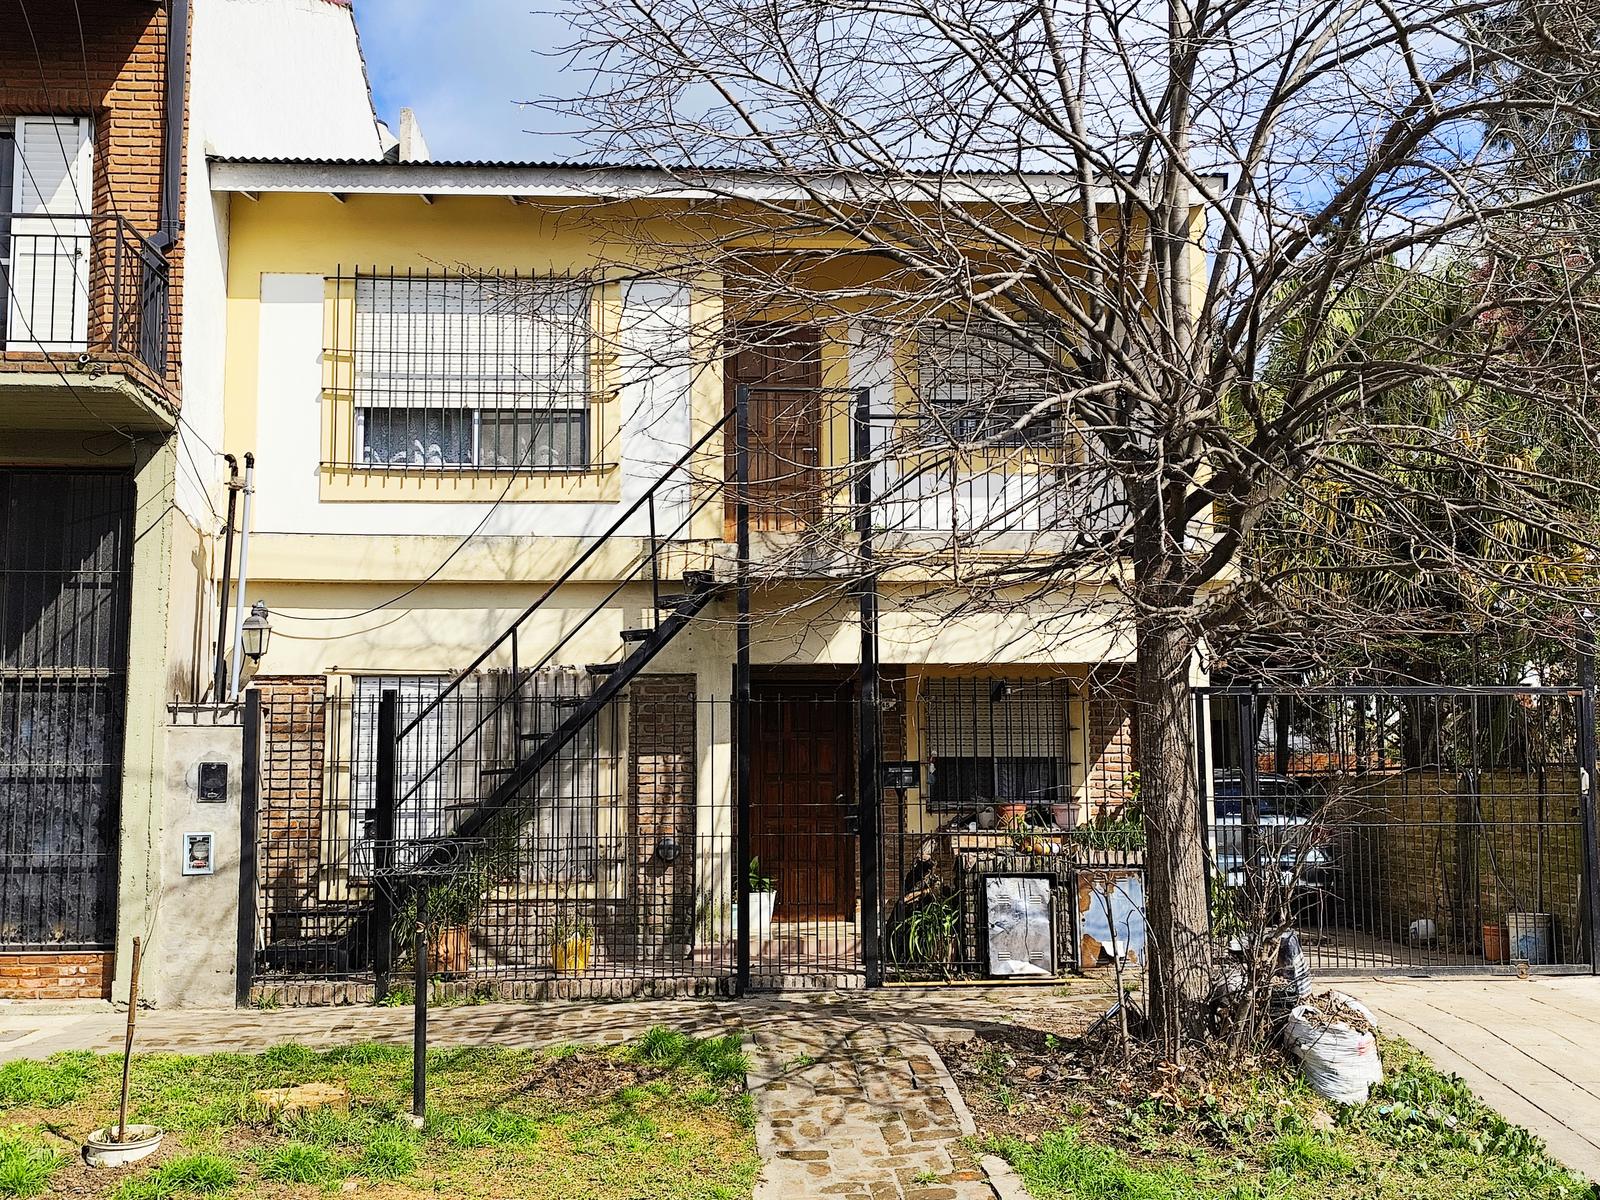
point(463, 65)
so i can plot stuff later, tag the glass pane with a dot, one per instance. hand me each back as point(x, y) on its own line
point(519, 439)
point(416, 437)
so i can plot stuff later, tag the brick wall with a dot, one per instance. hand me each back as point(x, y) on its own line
point(1109, 777)
point(113, 70)
point(293, 739)
point(55, 976)
point(1424, 844)
point(661, 768)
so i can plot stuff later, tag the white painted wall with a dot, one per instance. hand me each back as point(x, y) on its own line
point(655, 365)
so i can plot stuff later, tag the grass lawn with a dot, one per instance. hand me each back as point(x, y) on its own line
point(1075, 1133)
point(664, 1116)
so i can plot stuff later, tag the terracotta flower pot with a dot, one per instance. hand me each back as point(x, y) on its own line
point(1012, 815)
point(450, 950)
point(1496, 946)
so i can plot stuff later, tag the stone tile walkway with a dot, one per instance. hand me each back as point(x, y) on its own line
point(1529, 1048)
point(852, 1100)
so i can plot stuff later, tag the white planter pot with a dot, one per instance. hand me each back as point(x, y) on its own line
point(761, 906)
point(102, 1150)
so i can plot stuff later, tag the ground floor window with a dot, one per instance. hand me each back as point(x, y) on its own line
point(994, 742)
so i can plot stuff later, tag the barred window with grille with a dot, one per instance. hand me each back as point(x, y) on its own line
point(996, 741)
point(977, 386)
point(483, 372)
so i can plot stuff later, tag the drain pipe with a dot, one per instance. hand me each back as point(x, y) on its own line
point(244, 562)
point(219, 674)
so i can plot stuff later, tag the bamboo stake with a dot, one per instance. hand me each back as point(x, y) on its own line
point(127, 1048)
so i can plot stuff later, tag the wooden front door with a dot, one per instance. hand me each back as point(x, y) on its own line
point(800, 802)
point(785, 437)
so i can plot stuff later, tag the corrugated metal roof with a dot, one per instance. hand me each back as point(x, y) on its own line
point(576, 165)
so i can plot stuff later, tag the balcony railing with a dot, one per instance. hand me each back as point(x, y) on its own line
point(82, 284)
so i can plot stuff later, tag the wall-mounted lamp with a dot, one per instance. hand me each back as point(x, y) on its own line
point(667, 850)
point(256, 632)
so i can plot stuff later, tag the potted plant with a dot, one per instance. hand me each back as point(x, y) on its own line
point(763, 899)
point(452, 907)
point(571, 943)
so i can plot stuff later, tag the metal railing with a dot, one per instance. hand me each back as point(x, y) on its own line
point(75, 284)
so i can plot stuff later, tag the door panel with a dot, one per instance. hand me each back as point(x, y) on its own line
point(47, 246)
point(64, 551)
point(785, 437)
point(800, 803)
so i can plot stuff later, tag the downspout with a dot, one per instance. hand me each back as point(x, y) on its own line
point(244, 561)
point(177, 87)
point(219, 678)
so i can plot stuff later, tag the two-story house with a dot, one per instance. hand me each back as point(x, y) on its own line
point(595, 517)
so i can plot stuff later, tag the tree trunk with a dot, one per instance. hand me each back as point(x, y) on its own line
point(1177, 915)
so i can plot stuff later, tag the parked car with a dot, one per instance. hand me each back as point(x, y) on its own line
point(1285, 827)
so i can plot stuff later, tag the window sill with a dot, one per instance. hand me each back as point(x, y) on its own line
point(462, 485)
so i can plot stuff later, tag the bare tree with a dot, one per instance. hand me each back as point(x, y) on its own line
point(1118, 214)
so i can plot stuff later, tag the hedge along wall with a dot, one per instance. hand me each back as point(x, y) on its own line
point(1461, 851)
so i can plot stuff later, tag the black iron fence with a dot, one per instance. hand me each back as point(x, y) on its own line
point(82, 284)
point(1406, 828)
point(617, 871)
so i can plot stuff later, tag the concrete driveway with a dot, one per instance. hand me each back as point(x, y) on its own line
point(1528, 1047)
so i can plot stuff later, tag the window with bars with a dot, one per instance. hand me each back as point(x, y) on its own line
point(976, 385)
point(990, 741)
point(484, 372)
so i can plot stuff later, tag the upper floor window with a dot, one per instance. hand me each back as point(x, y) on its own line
point(980, 383)
point(485, 371)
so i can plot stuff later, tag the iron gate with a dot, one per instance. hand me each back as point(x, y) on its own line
point(1407, 828)
point(65, 549)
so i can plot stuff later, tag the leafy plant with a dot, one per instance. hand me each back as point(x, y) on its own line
point(932, 933)
point(571, 927)
point(189, 1174)
point(759, 882)
point(390, 1152)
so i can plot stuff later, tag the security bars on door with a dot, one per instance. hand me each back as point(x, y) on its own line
point(435, 372)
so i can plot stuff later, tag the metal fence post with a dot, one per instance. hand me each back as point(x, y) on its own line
point(249, 810)
point(382, 834)
point(741, 691)
point(1586, 782)
point(869, 785)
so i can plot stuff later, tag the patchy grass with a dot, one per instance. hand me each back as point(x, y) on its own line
point(26, 1166)
point(665, 1116)
point(1076, 1131)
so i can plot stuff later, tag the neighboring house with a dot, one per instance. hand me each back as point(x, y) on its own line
point(467, 401)
point(91, 172)
point(111, 482)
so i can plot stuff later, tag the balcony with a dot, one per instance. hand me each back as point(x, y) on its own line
point(83, 324)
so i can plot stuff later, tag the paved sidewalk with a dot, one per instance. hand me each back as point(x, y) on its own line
point(852, 1101)
point(1530, 1048)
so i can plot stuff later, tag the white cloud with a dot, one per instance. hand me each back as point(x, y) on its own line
point(463, 66)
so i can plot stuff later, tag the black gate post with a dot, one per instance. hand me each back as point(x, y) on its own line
point(869, 783)
point(741, 691)
point(249, 818)
point(382, 937)
point(1586, 782)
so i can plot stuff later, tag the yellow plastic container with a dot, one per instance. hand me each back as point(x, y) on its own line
point(571, 957)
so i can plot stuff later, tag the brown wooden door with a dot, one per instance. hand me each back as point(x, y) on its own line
point(785, 427)
point(800, 803)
